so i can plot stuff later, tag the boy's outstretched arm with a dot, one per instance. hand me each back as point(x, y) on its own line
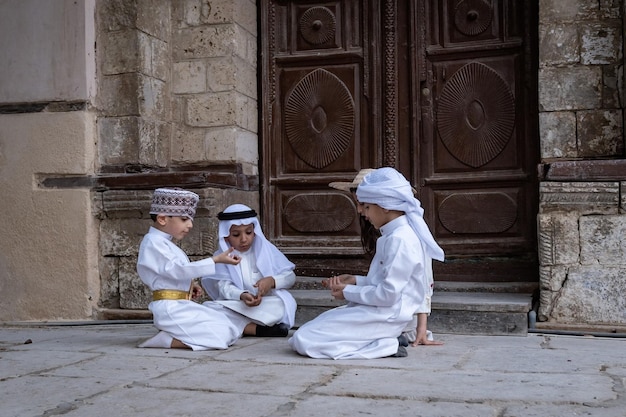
point(226, 258)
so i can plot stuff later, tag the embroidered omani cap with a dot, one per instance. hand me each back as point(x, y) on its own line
point(174, 202)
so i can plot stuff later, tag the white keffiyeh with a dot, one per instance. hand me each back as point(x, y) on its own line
point(388, 189)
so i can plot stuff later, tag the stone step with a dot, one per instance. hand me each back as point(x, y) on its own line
point(487, 308)
point(458, 312)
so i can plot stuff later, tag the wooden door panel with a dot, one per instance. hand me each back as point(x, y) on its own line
point(479, 151)
point(316, 123)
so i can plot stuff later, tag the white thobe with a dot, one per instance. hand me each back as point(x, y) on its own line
point(278, 306)
point(380, 305)
point(164, 266)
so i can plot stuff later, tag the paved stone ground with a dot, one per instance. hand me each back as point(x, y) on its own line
point(96, 370)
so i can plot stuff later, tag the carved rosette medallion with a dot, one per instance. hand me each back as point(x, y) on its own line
point(319, 118)
point(312, 213)
point(484, 213)
point(317, 25)
point(476, 114)
point(472, 17)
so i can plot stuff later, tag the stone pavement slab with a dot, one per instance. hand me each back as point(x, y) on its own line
point(96, 370)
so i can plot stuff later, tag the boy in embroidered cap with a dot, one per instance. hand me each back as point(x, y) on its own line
point(256, 288)
point(168, 272)
point(382, 303)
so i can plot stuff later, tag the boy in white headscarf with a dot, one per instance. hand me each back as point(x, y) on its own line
point(168, 272)
point(256, 287)
point(382, 303)
point(416, 332)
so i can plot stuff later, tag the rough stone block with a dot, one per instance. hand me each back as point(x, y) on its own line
point(116, 15)
point(118, 94)
point(212, 110)
point(188, 145)
point(602, 240)
point(232, 144)
point(612, 78)
point(134, 294)
point(622, 187)
point(592, 295)
point(153, 17)
point(558, 238)
point(109, 282)
point(247, 113)
point(558, 134)
point(601, 43)
point(228, 73)
point(119, 140)
point(203, 42)
point(156, 59)
point(570, 88)
point(155, 142)
point(600, 133)
point(558, 44)
point(124, 204)
point(582, 197)
point(120, 52)
point(189, 77)
point(153, 98)
point(121, 237)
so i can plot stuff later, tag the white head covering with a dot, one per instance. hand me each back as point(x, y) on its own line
point(269, 260)
point(389, 189)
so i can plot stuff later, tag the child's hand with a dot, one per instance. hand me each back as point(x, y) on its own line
point(227, 257)
point(249, 299)
point(197, 291)
point(337, 284)
point(264, 285)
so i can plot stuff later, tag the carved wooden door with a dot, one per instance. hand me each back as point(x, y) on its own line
point(318, 125)
point(478, 141)
point(441, 89)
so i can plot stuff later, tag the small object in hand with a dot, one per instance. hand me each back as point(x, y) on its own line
point(235, 255)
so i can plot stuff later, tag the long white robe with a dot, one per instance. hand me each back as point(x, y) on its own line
point(278, 306)
point(380, 305)
point(163, 265)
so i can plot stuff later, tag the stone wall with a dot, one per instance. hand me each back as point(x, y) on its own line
point(178, 107)
point(582, 213)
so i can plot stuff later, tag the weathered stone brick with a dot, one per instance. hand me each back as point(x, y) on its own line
point(155, 142)
point(558, 134)
point(612, 77)
point(189, 77)
point(121, 237)
point(558, 238)
point(153, 98)
point(212, 110)
point(232, 144)
point(600, 133)
point(134, 294)
point(558, 44)
point(580, 197)
point(118, 94)
point(592, 295)
point(203, 42)
point(228, 73)
point(188, 145)
point(570, 88)
point(120, 52)
point(153, 17)
point(109, 282)
point(603, 240)
point(600, 44)
point(119, 140)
